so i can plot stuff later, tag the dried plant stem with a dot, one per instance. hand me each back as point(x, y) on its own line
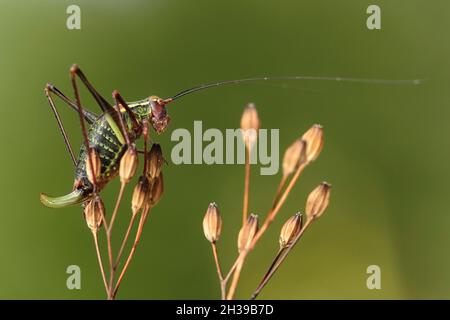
point(273, 212)
point(124, 241)
point(267, 275)
point(246, 185)
point(280, 257)
point(236, 274)
point(279, 190)
point(100, 262)
point(269, 218)
point(108, 239)
point(116, 207)
point(219, 271)
point(133, 249)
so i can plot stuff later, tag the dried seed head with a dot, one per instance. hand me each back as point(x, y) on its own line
point(128, 165)
point(314, 142)
point(157, 189)
point(155, 161)
point(248, 232)
point(250, 125)
point(318, 201)
point(290, 230)
point(140, 194)
point(293, 156)
point(212, 223)
point(94, 212)
point(96, 166)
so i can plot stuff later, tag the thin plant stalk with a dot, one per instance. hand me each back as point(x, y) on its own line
point(116, 207)
point(111, 223)
point(280, 257)
point(266, 276)
point(273, 212)
point(100, 262)
point(124, 241)
point(133, 250)
point(246, 185)
point(219, 271)
point(269, 218)
point(279, 190)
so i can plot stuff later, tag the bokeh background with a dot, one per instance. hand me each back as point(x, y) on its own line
point(386, 149)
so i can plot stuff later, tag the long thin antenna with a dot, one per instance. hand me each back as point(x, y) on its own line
point(337, 79)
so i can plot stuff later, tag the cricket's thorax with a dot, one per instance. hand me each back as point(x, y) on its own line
point(107, 145)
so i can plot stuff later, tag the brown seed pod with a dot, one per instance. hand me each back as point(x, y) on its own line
point(94, 212)
point(155, 161)
point(96, 166)
point(248, 232)
point(318, 201)
point(294, 155)
point(128, 164)
point(212, 223)
point(157, 190)
point(314, 142)
point(290, 230)
point(140, 194)
point(250, 125)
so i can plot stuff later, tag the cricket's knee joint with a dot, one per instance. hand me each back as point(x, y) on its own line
point(48, 88)
point(74, 68)
point(115, 94)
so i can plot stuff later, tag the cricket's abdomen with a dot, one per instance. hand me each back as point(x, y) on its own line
point(105, 142)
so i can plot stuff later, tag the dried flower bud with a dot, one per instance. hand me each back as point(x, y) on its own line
point(212, 223)
point(290, 230)
point(157, 190)
point(128, 165)
point(314, 142)
point(293, 156)
point(96, 164)
point(248, 232)
point(250, 125)
point(155, 161)
point(140, 194)
point(318, 201)
point(94, 212)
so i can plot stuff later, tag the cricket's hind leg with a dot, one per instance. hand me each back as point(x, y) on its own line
point(90, 117)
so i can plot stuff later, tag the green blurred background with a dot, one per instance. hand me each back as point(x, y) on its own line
point(386, 149)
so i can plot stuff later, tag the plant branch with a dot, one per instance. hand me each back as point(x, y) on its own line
point(269, 218)
point(133, 249)
point(280, 257)
point(219, 271)
point(99, 257)
point(124, 241)
point(246, 185)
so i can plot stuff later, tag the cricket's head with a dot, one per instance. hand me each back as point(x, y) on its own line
point(159, 117)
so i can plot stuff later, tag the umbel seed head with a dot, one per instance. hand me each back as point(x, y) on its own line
point(294, 155)
point(314, 142)
point(93, 213)
point(212, 223)
point(248, 232)
point(140, 194)
point(290, 230)
point(250, 124)
point(128, 164)
point(96, 165)
point(318, 201)
point(155, 161)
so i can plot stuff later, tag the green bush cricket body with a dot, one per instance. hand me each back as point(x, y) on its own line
point(118, 127)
